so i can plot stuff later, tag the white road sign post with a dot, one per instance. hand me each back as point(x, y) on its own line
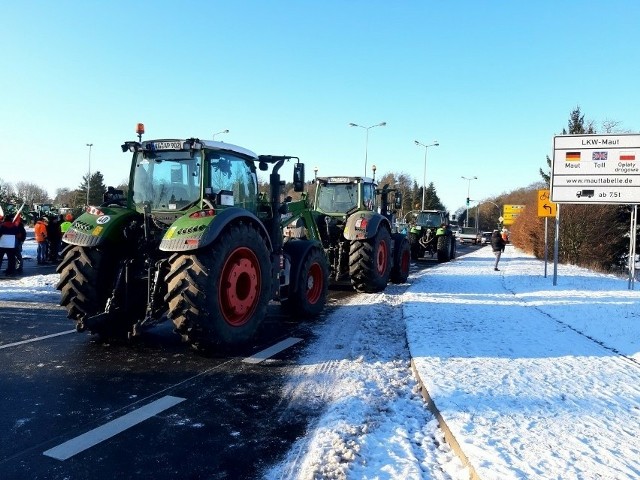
point(596, 169)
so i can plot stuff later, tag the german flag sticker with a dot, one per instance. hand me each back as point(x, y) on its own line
point(572, 156)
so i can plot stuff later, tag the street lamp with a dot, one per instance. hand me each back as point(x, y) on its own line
point(466, 220)
point(89, 177)
point(424, 175)
point(218, 133)
point(366, 142)
point(315, 173)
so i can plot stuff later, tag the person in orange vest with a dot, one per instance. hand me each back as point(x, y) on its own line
point(40, 232)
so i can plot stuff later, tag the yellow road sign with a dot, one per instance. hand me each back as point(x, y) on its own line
point(509, 218)
point(546, 208)
point(513, 208)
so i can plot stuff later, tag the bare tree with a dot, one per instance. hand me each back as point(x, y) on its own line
point(31, 193)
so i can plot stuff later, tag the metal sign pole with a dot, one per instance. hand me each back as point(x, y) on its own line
point(632, 247)
point(555, 247)
point(546, 245)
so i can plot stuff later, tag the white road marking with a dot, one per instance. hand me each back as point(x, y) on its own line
point(87, 440)
point(36, 339)
point(271, 351)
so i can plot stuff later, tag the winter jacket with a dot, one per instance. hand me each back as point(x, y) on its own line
point(9, 231)
point(40, 231)
point(497, 243)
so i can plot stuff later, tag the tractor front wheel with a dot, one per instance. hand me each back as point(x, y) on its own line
point(308, 291)
point(401, 259)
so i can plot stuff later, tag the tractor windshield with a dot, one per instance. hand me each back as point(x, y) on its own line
point(167, 180)
point(337, 198)
point(429, 219)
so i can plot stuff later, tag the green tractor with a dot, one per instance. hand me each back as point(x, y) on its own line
point(192, 242)
point(430, 234)
point(352, 219)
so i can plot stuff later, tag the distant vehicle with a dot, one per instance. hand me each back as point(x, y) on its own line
point(469, 235)
point(585, 193)
point(486, 237)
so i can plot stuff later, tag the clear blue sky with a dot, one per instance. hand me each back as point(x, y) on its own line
point(492, 81)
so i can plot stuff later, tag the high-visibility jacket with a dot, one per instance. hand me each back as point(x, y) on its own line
point(40, 231)
point(64, 226)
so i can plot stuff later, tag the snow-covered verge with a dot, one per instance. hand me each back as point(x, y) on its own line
point(533, 380)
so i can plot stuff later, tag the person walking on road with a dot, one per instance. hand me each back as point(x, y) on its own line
point(497, 245)
point(40, 232)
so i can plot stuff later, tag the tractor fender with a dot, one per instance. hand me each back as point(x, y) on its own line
point(364, 225)
point(89, 230)
point(297, 250)
point(181, 237)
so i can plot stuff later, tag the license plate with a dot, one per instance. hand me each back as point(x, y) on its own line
point(168, 145)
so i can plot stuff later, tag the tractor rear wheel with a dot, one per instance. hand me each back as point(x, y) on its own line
point(401, 259)
point(370, 262)
point(443, 248)
point(219, 295)
point(308, 292)
point(87, 277)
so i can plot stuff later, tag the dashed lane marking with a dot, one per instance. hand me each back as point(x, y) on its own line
point(91, 438)
point(37, 339)
point(271, 351)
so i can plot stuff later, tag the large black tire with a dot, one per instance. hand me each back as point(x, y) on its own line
point(370, 262)
point(87, 278)
point(416, 249)
point(443, 248)
point(219, 295)
point(308, 292)
point(401, 259)
point(453, 244)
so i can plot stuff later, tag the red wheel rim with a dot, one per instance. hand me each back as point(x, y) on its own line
point(240, 285)
point(382, 257)
point(314, 283)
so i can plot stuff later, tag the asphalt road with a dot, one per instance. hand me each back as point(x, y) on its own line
point(75, 408)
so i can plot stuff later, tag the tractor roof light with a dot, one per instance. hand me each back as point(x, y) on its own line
point(140, 129)
point(130, 147)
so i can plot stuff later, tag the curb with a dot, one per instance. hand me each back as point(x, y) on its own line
point(448, 435)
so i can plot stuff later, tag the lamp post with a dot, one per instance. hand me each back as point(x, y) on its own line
point(466, 220)
point(424, 174)
point(366, 142)
point(495, 205)
point(213, 137)
point(89, 176)
point(315, 173)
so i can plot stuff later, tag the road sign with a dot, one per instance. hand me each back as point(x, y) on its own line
point(513, 208)
point(509, 218)
point(596, 169)
point(546, 208)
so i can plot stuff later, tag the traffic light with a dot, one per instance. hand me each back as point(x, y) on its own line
point(467, 201)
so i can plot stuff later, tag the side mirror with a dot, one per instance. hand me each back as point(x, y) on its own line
point(298, 177)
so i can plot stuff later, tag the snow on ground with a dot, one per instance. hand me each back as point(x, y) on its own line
point(532, 380)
